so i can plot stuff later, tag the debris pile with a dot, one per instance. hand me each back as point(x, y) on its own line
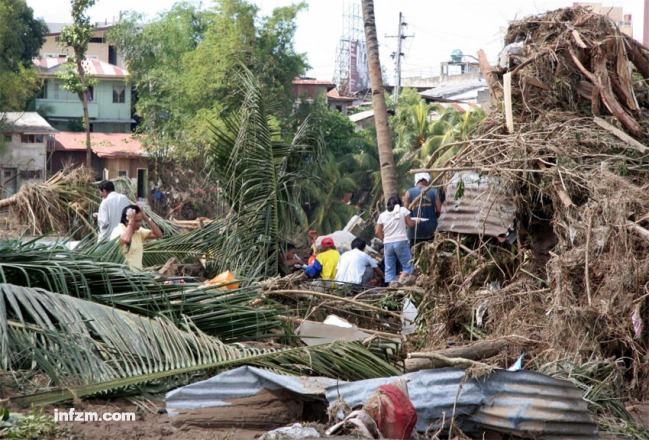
point(573, 287)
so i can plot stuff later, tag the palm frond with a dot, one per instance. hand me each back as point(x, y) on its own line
point(226, 314)
point(88, 348)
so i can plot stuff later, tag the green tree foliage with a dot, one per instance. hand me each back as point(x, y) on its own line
point(21, 37)
point(184, 67)
point(75, 79)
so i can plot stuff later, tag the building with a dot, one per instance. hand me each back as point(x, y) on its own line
point(615, 13)
point(310, 89)
point(115, 154)
point(98, 47)
point(23, 150)
point(109, 101)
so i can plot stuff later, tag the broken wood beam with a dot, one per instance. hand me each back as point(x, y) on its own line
point(466, 355)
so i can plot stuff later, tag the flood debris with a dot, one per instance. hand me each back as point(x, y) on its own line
point(520, 403)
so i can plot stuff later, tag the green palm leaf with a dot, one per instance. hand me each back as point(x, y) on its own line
point(88, 348)
point(223, 313)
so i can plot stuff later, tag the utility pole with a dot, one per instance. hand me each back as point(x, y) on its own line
point(398, 54)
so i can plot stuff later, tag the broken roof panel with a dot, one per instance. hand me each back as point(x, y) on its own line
point(484, 206)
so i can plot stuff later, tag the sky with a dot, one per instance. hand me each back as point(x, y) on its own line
point(434, 28)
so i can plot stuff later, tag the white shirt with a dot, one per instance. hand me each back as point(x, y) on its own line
point(352, 265)
point(394, 225)
point(110, 213)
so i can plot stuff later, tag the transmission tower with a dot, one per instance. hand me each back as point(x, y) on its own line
point(352, 74)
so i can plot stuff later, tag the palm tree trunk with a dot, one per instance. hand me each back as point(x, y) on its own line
point(9, 201)
point(84, 102)
point(384, 140)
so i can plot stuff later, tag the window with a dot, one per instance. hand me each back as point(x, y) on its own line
point(7, 137)
point(122, 173)
point(119, 94)
point(90, 94)
point(31, 138)
point(55, 90)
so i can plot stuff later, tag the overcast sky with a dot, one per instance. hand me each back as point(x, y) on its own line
point(436, 27)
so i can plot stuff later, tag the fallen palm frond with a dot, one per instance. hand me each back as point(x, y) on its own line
point(86, 348)
point(600, 381)
point(227, 314)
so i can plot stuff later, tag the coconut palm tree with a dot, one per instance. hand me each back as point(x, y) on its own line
point(384, 140)
point(326, 195)
point(260, 175)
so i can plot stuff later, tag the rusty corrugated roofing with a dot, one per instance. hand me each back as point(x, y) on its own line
point(486, 206)
point(102, 144)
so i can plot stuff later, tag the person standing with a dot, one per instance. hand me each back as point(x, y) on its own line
point(391, 228)
point(424, 203)
point(132, 236)
point(357, 267)
point(110, 209)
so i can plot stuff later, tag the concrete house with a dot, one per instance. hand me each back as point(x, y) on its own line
point(98, 47)
point(23, 150)
point(109, 101)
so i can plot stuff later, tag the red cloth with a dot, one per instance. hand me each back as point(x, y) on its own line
point(394, 413)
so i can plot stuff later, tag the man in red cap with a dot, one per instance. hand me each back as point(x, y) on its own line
point(326, 261)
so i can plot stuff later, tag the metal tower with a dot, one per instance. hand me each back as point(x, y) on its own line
point(352, 74)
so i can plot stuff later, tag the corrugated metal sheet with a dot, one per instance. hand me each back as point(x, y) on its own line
point(113, 145)
point(240, 382)
point(486, 206)
point(94, 67)
point(522, 403)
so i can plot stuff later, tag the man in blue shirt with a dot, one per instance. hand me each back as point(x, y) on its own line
point(424, 204)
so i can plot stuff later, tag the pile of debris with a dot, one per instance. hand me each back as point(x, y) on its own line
point(567, 147)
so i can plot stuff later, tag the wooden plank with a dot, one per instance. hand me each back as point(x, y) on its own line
point(631, 143)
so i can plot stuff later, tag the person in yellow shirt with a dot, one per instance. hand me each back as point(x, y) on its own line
point(131, 235)
point(326, 262)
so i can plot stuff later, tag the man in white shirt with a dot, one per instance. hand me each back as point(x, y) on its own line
point(355, 266)
point(110, 209)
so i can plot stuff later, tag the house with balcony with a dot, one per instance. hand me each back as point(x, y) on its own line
point(109, 100)
point(26, 140)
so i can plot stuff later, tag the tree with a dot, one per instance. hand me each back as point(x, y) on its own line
point(21, 37)
point(184, 68)
point(77, 36)
point(384, 140)
point(261, 176)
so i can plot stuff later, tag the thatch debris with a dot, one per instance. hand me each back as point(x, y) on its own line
point(576, 165)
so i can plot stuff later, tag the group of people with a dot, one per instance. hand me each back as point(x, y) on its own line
point(354, 267)
point(118, 218)
point(399, 230)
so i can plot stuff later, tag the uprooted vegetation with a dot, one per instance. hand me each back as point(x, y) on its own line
point(575, 283)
